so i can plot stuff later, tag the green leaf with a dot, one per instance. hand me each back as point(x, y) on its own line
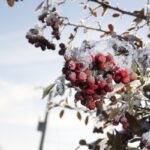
point(47, 90)
point(39, 6)
point(61, 113)
point(134, 68)
point(79, 115)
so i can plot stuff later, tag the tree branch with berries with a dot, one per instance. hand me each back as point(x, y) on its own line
point(110, 75)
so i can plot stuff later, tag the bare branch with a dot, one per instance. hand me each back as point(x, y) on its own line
point(86, 27)
point(104, 4)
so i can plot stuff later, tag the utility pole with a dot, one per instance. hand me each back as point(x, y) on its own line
point(42, 128)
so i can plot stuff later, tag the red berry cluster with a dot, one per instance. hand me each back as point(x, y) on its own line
point(54, 21)
point(123, 120)
point(122, 76)
point(94, 81)
point(38, 40)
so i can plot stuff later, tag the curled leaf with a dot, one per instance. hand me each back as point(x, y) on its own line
point(104, 11)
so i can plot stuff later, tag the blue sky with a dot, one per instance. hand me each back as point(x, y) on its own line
point(23, 68)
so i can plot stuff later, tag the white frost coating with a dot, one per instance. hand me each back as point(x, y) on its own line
point(104, 46)
point(146, 136)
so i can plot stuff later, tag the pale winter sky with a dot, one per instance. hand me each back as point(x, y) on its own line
point(23, 68)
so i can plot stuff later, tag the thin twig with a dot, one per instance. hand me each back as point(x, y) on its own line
point(104, 4)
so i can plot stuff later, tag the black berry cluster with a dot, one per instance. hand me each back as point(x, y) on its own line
point(62, 49)
point(54, 21)
point(38, 40)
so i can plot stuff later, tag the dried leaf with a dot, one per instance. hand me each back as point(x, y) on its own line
point(104, 11)
point(111, 27)
point(86, 120)
point(71, 37)
point(137, 20)
point(79, 115)
point(47, 90)
point(116, 15)
point(61, 113)
point(93, 12)
point(10, 2)
point(130, 29)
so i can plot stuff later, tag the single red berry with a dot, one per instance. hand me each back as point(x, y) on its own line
point(102, 66)
point(117, 78)
point(88, 72)
point(90, 80)
point(109, 88)
point(116, 68)
point(123, 73)
point(101, 58)
point(91, 105)
point(126, 80)
point(80, 67)
point(89, 91)
point(125, 125)
point(72, 76)
point(82, 76)
point(102, 84)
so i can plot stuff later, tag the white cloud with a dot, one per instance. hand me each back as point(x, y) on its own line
point(12, 94)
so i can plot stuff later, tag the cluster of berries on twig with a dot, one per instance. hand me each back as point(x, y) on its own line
point(54, 21)
point(93, 82)
point(34, 37)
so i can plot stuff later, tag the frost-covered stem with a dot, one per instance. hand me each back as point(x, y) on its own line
point(104, 4)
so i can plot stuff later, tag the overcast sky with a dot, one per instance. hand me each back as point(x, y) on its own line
point(23, 68)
